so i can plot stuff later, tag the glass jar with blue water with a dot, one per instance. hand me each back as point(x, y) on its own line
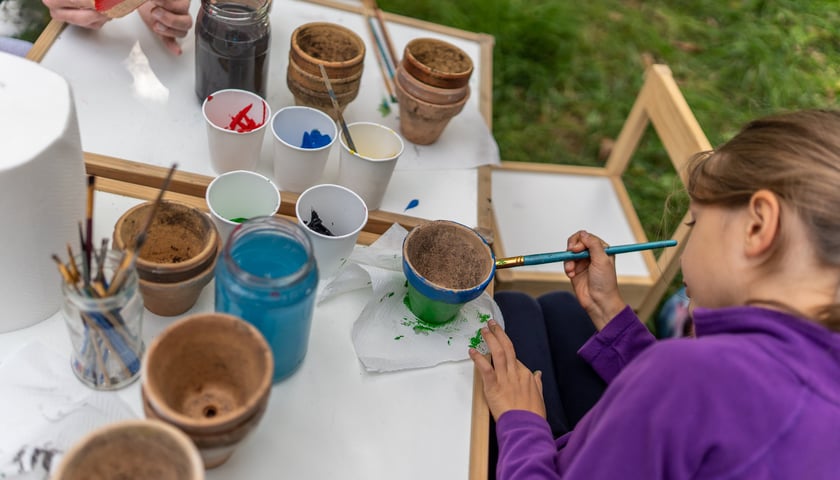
point(232, 42)
point(266, 275)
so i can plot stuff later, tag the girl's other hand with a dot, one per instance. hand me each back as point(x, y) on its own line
point(594, 279)
point(169, 19)
point(508, 384)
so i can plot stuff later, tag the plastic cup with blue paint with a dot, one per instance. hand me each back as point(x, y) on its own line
point(303, 139)
point(446, 265)
point(267, 275)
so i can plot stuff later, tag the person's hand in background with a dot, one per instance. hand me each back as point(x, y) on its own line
point(169, 19)
point(76, 12)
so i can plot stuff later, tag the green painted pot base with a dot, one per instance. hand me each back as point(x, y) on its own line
point(431, 311)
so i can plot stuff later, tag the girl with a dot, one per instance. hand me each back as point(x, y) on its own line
point(757, 393)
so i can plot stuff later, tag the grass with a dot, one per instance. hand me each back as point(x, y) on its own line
point(565, 74)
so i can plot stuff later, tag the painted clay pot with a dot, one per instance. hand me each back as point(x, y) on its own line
point(137, 449)
point(429, 93)
point(422, 122)
point(177, 259)
point(437, 63)
point(180, 242)
point(447, 265)
point(209, 375)
point(337, 48)
point(314, 82)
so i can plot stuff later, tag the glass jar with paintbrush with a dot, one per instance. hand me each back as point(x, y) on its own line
point(103, 311)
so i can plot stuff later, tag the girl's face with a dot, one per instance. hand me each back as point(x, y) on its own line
point(710, 260)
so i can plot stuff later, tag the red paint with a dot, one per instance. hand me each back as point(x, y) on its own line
point(242, 123)
point(209, 97)
point(103, 5)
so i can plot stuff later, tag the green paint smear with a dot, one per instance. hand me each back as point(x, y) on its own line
point(483, 317)
point(384, 108)
point(399, 337)
point(449, 341)
point(239, 219)
point(476, 340)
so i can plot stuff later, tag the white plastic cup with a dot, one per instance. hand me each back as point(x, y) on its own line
point(368, 170)
point(236, 196)
point(343, 213)
point(231, 149)
point(297, 168)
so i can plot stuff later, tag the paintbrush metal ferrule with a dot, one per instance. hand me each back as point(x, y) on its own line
point(554, 257)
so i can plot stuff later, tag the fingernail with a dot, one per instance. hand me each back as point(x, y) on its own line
point(159, 27)
point(157, 14)
point(491, 322)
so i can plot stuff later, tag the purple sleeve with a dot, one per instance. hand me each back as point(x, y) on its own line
point(526, 447)
point(611, 349)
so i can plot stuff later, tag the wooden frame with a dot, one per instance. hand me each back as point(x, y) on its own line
point(660, 104)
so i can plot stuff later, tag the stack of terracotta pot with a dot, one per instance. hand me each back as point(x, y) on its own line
point(342, 54)
point(432, 83)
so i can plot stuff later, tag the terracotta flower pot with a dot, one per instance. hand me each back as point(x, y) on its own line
point(180, 243)
point(446, 265)
point(337, 48)
point(177, 259)
point(320, 99)
point(437, 63)
point(138, 449)
point(429, 93)
point(301, 77)
point(423, 122)
point(210, 376)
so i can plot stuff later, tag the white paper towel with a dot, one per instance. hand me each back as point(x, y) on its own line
point(387, 336)
point(46, 411)
point(42, 188)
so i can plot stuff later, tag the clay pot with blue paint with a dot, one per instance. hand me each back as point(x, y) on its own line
point(447, 265)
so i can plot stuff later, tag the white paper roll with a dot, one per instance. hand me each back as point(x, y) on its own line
point(42, 189)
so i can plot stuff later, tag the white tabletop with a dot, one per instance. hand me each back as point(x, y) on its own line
point(331, 419)
point(136, 101)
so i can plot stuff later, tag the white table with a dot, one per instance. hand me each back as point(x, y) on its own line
point(331, 419)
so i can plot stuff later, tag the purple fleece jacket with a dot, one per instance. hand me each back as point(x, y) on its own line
point(755, 396)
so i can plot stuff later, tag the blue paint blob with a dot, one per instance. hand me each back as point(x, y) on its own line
point(413, 203)
point(315, 139)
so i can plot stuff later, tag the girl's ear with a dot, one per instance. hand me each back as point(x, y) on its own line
point(763, 225)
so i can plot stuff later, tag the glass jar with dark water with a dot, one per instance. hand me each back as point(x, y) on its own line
point(232, 43)
point(267, 275)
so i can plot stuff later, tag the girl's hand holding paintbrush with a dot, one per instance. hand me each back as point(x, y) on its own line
point(594, 279)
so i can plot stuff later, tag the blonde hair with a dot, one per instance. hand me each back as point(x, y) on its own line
point(796, 156)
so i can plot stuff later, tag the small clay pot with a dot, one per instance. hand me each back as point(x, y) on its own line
point(209, 375)
point(168, 299)
point(337, 48)
point(180, 242)
point(320, 99)
point(422, 122)
point(429, 93)
point(137, 449)
point(214, 448)
point(447, 265)
point(437, 63)
point(341, 86)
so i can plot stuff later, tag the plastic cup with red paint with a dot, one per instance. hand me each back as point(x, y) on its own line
point(236, 124)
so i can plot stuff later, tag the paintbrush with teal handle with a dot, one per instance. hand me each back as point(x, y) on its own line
point(540, 258)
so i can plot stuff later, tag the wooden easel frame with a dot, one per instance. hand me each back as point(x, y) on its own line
point(660, 104)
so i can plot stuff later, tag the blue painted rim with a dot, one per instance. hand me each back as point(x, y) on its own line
point(447, 295)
